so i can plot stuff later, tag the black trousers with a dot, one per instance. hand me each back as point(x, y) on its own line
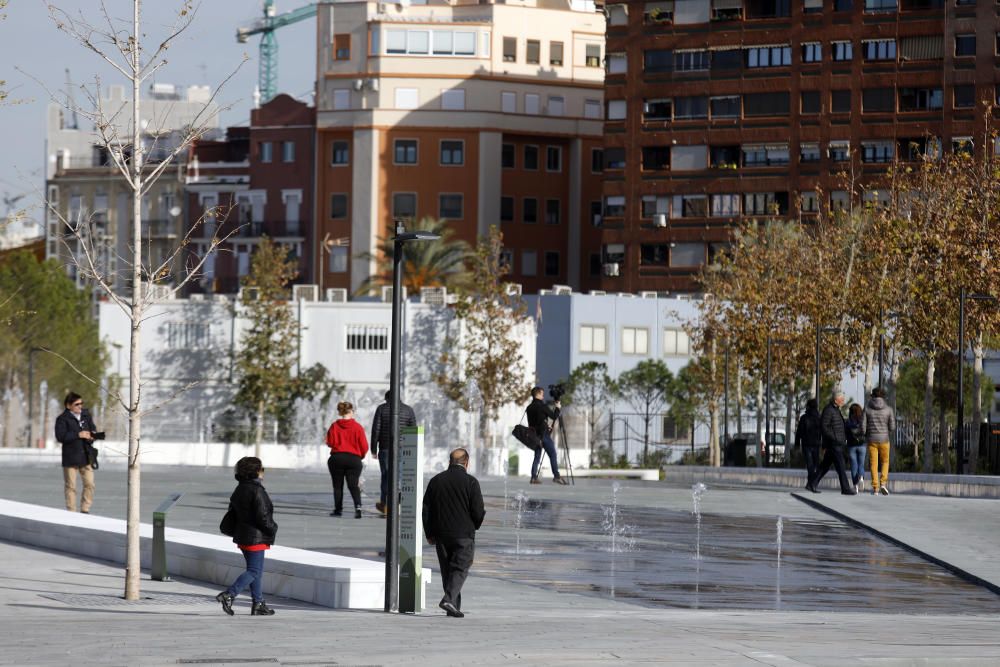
point(811, 455)
point(455, 558)
point(835, 457)
point(343, 465)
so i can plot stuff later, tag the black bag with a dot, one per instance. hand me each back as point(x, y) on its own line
point(228, 524)
point(527, 437)
point(91, 452)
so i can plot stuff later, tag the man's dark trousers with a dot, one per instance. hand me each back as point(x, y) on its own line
point(811, 455)
point(383, 466)
point(835, 457)
point(455, 558)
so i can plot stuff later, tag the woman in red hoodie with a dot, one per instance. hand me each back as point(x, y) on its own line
point(348, 447)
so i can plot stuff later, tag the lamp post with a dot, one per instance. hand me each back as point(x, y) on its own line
point(392, 511)
point(821, 330)
point(963, 296)
point(766, 454)
point(31, 392)
point(725, 404)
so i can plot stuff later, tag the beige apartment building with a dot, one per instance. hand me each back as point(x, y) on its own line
point(480, 114)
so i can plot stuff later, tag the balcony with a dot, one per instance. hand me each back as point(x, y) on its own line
point(271, 228)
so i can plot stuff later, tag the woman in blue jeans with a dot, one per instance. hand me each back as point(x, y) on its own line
point(254, 535)
point(856, 444)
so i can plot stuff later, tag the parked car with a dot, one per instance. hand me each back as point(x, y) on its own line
point(755, 447)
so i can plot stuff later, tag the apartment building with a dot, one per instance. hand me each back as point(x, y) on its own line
point(718, 110)
point(479, 114)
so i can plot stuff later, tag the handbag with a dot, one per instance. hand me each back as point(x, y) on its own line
point(91, 452)
point(527, 436)
point(228, 524)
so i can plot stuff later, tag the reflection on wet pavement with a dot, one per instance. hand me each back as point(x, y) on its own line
point(824, 565)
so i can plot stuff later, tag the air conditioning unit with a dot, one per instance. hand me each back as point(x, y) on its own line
point(612, 269)
point(649, 295)
point(387, 294)
point(336, 294)
point(545, 292)
point(660, 220)
point(597, 292)
point(626, 295)
point(435, 296)
point(305, 292)
point(513, 289)
point(562, 289)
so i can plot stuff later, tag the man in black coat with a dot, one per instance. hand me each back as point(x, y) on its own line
point(453, 511)
point(834, 440)
point(539, 415)
point(75, 430)
point(809, 436)
point(382, 437)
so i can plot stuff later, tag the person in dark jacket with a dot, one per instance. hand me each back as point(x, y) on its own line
point(834, 440)
point(348, 446)
point(382, 436)
point(539, 415)
point(453, 511)
point(856, 445)
point(254, 534)
point(809, 437)
point(75, 430)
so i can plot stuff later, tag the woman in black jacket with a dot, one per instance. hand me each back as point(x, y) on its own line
point(254, 534)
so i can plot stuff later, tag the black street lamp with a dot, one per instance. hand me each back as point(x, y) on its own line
point(31, 392)
point(766, 454)
point(392, 510)
point(960, 461)
point(820, 330)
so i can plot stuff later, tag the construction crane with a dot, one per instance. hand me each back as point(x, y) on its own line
point(267, 72)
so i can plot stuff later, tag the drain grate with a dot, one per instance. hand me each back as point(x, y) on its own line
point(104, 600)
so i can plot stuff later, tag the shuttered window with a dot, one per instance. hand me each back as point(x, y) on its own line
point(924, 47)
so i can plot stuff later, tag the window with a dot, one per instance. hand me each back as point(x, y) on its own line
point(533, 52)
point(724, 206)
point(676, 342)
point(507, 259)
point(727, 10)
point(338, 259)
point(686, 108)
point(727, 60)
point(964, 97)
point(658, 12)
point(552, 211)
point(843, 51)
point(531, 103)
point(614, 158)
point(189, 335)
point(592, 109)
point(635, 340)
point(395, 42)
point(965, 45)
point(653, 205)
point(614, 206)
point(556, 106)
point(920, 99)
point(655, 158)
point(404, 205)
point(879, 49)
point(812, 6)
point(690, 61)
point(809, 101)
point(922, 47)
point(596, 213)
point(341, 100)
point(616, 63)
point(450, 206)
point(593, 339)
point(809, 202)
point(765, 9)
point(529, 211)
point(769, 56)
point(338, 206)
point(553, 158)
point(618, 15)
point(342, 47)
point(962, 145)
point(592, 55)
point(366, 338)
point(507, 156)
point(266, 151)
point(405, 151)
point(872, 6)
point(765, 203)
point(878, 100)
point(725, 107)
point(839, 151)
point(689, 206)
point(508, 102)
point(877, 151)
point(765, 155)
point(340, 153)
point(506, 209)
point(843, 5)
point(659, 109)
point(417, 42)
point(654, 254)
point(531, 157)
point(288, 151)
point(689, 158)
point(529, 263)
point(616, 110)
point(808, 153)
point(839, 201)
point(443, 43)
point(510, 49)
point(407, 98)
point(657, 60)
point(596, 160)
point(453, 100)
point(556, 54)
point(765, 104)
point(551, 263)
point(812, 52)
point(452, 152)
point(840, 101)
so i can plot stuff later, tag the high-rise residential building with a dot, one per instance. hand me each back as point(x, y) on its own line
point(718, 110)
point(477, 113)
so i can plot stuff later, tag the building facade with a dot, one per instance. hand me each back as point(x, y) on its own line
point(718, 110)
point(477, 113)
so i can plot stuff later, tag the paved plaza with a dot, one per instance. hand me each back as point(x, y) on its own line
point(541, 593)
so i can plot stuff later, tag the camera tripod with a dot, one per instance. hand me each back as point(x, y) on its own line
point(564, 444)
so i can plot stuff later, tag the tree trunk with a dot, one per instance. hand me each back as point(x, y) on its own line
point(739, 398)
point(713, 412)
point(943, 438)
point(760, 424)
point(977, 402)
point(789, 411)
point(645, 438)
point(259, 431)
point(870, 370)
point(8, 411)
point(929, 413)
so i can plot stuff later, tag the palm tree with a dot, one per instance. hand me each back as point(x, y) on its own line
point(441, 263)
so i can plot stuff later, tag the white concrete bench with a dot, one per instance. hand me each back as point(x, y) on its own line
point(648, 474)
point(311, 576)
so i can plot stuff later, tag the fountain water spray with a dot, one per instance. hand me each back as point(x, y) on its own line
point(520, 503)
point(697, 490)
point(780, 526)
point(621, 536)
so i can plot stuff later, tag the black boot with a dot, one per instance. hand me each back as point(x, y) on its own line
point(227, 602)
point(357, 512)
point(261, 609)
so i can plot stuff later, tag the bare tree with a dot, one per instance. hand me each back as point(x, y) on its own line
point(121, 133)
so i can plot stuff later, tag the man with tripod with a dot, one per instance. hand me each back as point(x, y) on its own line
point(539, 415)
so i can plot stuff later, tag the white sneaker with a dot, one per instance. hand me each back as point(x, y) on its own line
point(861, 482)
point(884, 491)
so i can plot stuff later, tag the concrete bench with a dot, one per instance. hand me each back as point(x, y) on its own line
point(325, 579)
point(648, 474)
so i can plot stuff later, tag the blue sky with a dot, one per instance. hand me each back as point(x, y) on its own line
point(205, 54)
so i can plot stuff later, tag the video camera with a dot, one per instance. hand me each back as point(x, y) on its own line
point(556, 391)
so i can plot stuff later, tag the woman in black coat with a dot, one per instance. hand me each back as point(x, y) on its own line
point(254, 534)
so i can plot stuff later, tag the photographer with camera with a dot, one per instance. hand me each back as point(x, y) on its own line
point(539, 413)
point(76, 431)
